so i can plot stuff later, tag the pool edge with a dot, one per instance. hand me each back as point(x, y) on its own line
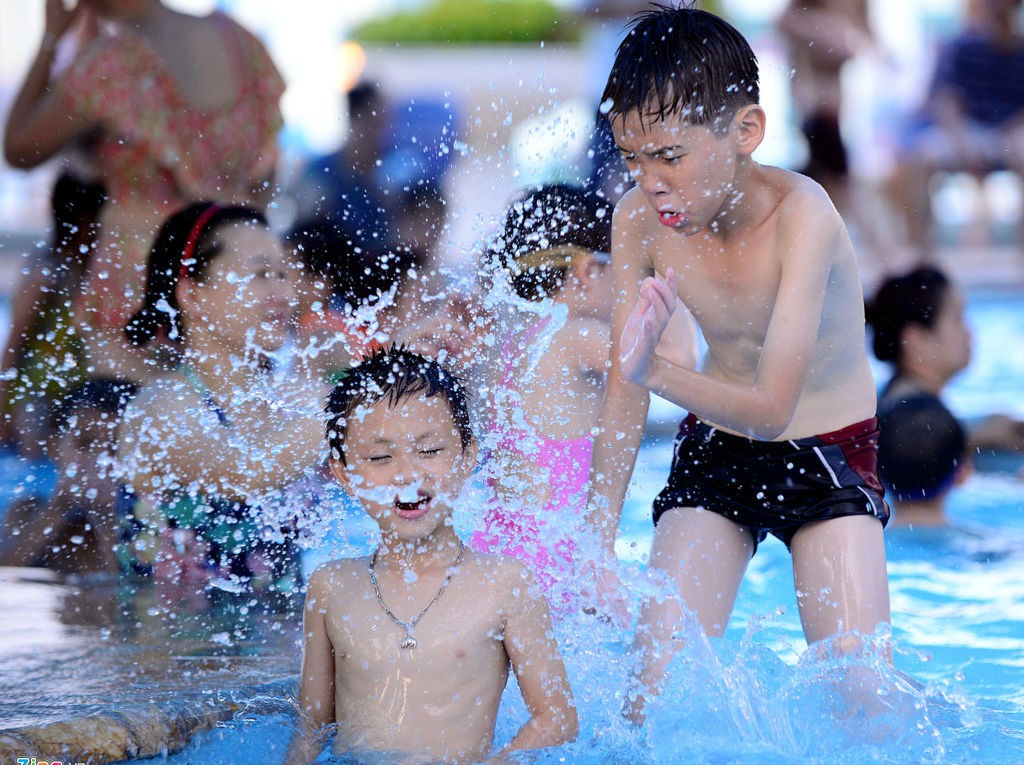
point(141, 730)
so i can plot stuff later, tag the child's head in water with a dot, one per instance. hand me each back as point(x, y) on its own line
point(922, 451)
point(400, 439)
point(84, 426)
point(555, 245)
point(82, 515)
point(682, 101)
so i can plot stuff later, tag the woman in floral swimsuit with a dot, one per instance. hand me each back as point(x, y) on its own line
point(169, 108)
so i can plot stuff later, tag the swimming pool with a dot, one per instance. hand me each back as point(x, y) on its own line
point(751, 696)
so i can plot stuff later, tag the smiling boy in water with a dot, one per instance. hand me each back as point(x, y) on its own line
point(407, 651)
point(762, 260)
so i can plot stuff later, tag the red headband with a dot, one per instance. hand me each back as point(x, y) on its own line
point(193, 236)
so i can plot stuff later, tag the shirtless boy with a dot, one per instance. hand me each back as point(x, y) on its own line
point(762, 260)
point(407, 651)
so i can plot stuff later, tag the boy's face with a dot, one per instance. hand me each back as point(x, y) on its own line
point(685, 171)
point(406, 464)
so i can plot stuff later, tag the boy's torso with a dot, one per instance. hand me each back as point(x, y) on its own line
point(440, 696)
point(731, 286)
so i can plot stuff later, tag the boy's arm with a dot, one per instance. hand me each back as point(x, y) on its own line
point(763, 408)
point(533, 652)
point(624, 412)
point(316, 687)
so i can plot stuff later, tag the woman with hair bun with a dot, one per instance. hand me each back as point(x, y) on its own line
point(166, 107)
point(918, 327)
point(210, 446)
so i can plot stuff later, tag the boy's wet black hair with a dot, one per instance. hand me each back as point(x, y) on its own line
point(109, 395)
point(393, 374)
point(681, 61)
point(921, 444)
point(547, 218)
point(185, 246)
point(912, 298)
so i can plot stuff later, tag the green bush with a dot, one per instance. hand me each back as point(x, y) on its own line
point(470, 21)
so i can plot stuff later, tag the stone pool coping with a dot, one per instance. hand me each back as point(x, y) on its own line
point(137, 730)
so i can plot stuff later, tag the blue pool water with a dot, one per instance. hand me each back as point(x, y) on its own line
point(755, 695)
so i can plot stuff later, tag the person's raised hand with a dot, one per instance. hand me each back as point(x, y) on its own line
point(645, 324)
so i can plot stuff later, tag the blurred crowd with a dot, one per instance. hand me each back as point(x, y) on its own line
point(153, 334)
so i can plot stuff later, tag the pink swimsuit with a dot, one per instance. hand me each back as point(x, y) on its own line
point(544, 535)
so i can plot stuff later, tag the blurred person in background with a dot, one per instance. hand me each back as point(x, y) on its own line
point(917, 319)
point(546, 383)
point(343, 188)
point(43, 355)
point(171, 107)
point(922, 455)
point(822, 37)
point(211, 446)
point(973, 117)
point(78, 529)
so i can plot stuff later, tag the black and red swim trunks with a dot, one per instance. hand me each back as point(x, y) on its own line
point(775, 487)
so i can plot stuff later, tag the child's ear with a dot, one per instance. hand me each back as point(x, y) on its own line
point(340, 472)
point(749, 125)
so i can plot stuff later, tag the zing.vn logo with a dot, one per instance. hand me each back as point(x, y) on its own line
point(34, 761)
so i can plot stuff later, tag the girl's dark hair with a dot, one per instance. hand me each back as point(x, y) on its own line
point(913, 298)
point(548, 217)
point(393, 374)
point(185, 246)
point(681, 61)
point(75, 204)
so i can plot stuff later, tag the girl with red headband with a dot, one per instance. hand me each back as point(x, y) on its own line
point(210, 446)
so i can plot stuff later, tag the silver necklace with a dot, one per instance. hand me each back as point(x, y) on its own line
point(409, 641)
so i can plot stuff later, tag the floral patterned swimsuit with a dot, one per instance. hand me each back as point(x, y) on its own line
point(156, 153)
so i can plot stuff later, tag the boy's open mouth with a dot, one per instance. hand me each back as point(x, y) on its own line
point(671, 219)
point(412, 510)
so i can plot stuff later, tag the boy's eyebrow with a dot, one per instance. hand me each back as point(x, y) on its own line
point(653, 151)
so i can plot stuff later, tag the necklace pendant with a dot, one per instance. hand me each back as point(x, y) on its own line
point(408, 641)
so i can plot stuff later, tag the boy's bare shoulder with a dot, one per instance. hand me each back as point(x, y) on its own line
point(803, 203)
point(502, 574)
point(631, 208)
point(338, 574)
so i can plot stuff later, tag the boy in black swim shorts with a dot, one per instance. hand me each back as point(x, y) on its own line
point(762, 261)
point(775, 487)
